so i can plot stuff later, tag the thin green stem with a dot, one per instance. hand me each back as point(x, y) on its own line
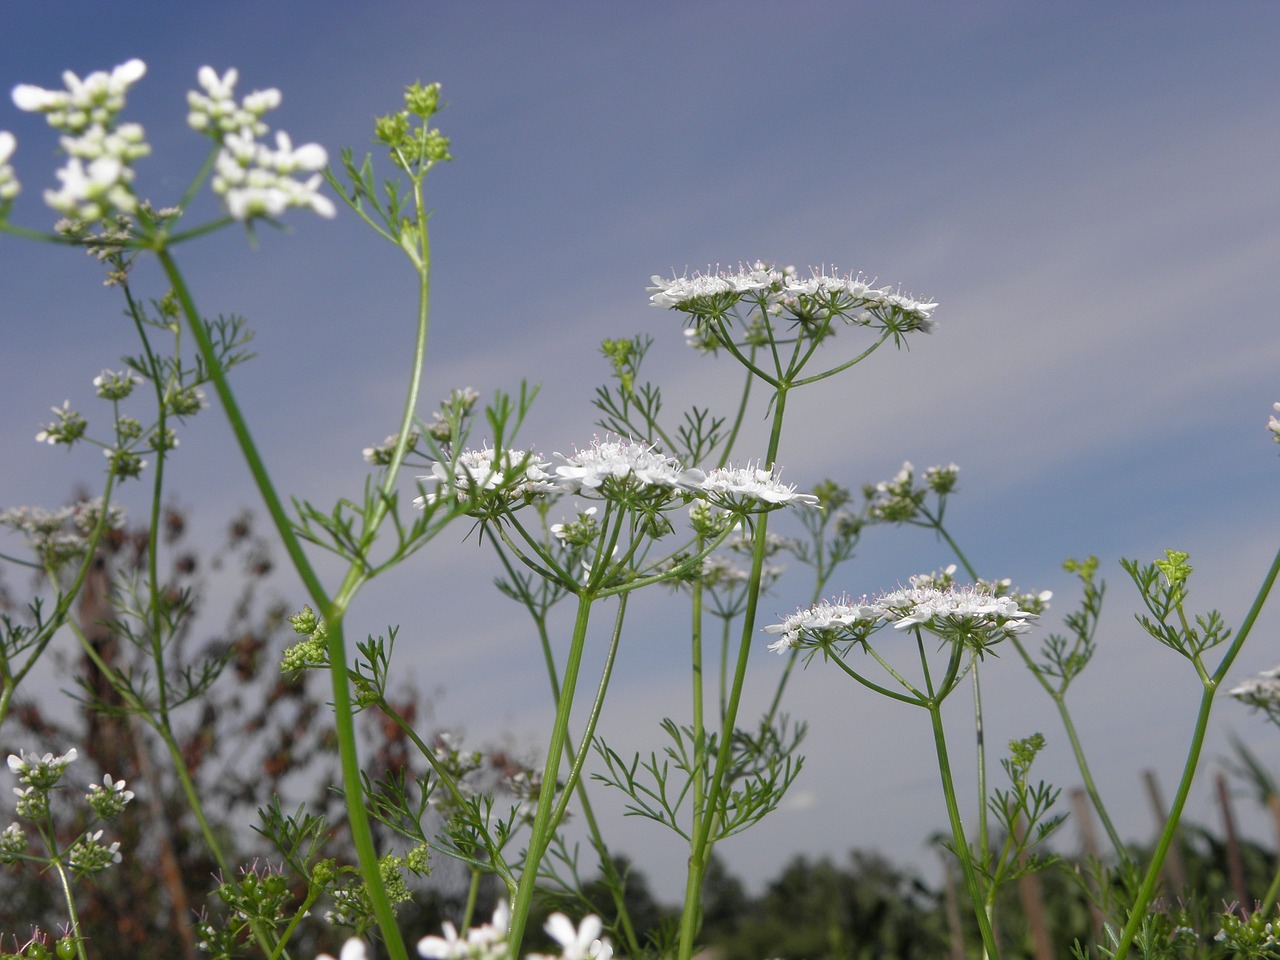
point(979, 733)
point(73, 919)
point(1147, 890)
point(959, 843)
point(541, 835)
point(701, 843)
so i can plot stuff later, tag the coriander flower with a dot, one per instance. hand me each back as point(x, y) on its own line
point(839, 620)
point(736, 486)
point(577, 943)
point(89, 855)
point(785, 292)
point(13, 843)
point(115, 386)
point(109, 798)
point(44, 772)
point(487, 941)
point(353, 949)
point(253, 179)
point(968, 612)
point(1261, 692)
point(98, 173)
point(606, 464)
point(216, 110)
point(92, 192)
point(9, 186)
point(514, 474)
point(93, 101)
point(687, 293)
point(380, 455)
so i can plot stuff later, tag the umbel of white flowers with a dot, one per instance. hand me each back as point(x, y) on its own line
point(252, 178)
point(603, 469)
point(950, 611)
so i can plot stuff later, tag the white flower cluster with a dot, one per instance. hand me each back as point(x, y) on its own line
point(1261, 691)
point(108, 798)
point(485, 941)
point(97, 177)
point(784, 290)
point(59, 535)
point(488, 941)
point(607, 468)
point(9, 186)
point(824, 618)
point(587, 471)
point(516, 473)
point(971, 606)
point(956, 611)
point(1273, 424)
point(110, 385)
point(253, 179)
point(380, 454)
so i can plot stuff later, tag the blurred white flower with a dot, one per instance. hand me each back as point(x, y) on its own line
point(578, 943)
point(97, 175)
point(253, 179)
point(516, 473)
point(93, 101)
point(9, 186)
point(353, 949)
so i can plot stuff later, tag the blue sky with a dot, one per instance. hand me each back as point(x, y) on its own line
point(1089, 190)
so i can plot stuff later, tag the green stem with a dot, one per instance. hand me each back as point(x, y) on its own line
point(332, 610)
point(1147, 890)
point(1086, 775)
point(540, 836)
point(73, 919)
point(700, 843)
point(959, 843)
point(979, 733)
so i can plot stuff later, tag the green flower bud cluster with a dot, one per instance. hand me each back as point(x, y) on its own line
point(312, 652)
point(414, 146)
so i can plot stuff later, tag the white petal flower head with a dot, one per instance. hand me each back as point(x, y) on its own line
point(40, 772)
point(487, 941)
point(1261, 691)
point(9, 186)
point(738, 486)
point(92, 192)
point(842, 619)
point(956, 610)
point(578, 943)
point(607, 462)
point(715, 288)
point(253, 179)
point(93, 101)
point(516, 473)
point(1273, 424)
point(216, 111)
point(353, 949)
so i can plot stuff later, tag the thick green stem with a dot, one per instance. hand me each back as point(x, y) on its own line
point(333, 611)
